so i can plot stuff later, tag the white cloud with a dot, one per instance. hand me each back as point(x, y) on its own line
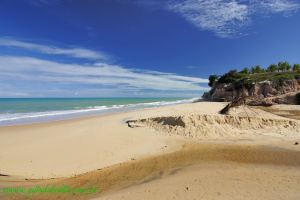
point(15, 68)
point(46, 49)
point(218, 16)
point(83, 79)
point(226, 17)
point(277, 6)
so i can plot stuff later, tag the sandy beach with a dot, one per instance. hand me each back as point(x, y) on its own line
point(186, 151)
point(149, 100)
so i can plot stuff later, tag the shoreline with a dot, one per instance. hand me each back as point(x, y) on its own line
point(60, 115)
point(98, 115)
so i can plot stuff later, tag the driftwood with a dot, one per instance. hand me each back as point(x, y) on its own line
point(234, 103)
point(4, 175)
point(131, 123)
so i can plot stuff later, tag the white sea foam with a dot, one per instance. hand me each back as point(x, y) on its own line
point(32, 117)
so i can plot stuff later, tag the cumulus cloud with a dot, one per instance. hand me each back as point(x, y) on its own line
point(226, 18)
point(47, 49)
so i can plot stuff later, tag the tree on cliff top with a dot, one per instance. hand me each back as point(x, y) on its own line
point(272, 68)
point(284, 66)
point(245, 71)
point(257, 69)
point(213, 79)
point(247, 76)
point(230, 77)
point(296, 68)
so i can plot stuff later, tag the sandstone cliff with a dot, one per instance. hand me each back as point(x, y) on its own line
point(260, 93)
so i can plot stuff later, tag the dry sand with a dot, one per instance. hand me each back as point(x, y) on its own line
point(185, 151)
point(66, 148)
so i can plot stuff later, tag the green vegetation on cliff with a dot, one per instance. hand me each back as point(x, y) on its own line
point(248, 76)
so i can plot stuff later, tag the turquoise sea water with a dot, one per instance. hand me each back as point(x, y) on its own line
point(30, 110)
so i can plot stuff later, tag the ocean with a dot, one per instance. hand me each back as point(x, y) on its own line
point(16, 111)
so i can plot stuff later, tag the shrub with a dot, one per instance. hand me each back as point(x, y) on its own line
point(230, 77)
point(284, 66)
point(245, 71)
point(212, 80)
point(248, 84)
point(272, 68)
point(257, 69)
point(296, 68)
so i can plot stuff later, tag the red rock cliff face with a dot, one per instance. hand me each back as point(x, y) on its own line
point(262, 90)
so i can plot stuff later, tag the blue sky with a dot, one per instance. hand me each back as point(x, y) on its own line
point(138, 48)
